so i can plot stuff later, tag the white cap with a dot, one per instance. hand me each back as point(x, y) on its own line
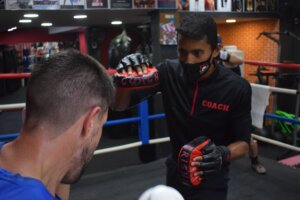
point(161, 192)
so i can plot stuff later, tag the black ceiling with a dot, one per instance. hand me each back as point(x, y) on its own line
point(100, 17)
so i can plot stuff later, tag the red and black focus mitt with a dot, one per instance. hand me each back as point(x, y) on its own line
point(186, 155)
point(142, 75)
point(213, 157)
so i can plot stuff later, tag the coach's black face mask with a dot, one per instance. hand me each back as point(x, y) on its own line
point(194, 71)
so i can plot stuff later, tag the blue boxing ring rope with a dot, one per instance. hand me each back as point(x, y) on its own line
point(284, 119)
point(143, 119)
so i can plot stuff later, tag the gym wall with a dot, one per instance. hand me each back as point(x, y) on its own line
point(33, 35)
point(244, 35)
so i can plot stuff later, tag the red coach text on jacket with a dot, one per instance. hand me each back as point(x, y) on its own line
point(215, 106)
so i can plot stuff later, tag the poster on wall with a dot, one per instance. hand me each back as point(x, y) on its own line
point(223, 6)
point(121, 4)
point(261, 5)
point(18, 5)
point(196, 5)
point(237, 5)
point(183, 4)
point(72, 4)
point(249, 5)
point(272, 5)
point(144, 4)
point(166, 4)
point(97, 4)
point(168, 23)
point(45, 4)
point(210, 5)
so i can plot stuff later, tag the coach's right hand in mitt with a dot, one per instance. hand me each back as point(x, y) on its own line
point(135, 72)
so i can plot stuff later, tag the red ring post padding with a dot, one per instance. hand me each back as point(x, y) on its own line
point(278, 65)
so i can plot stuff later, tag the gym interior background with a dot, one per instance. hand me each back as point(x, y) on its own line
point(94, 35)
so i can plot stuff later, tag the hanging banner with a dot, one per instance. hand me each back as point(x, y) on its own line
point(45, 4)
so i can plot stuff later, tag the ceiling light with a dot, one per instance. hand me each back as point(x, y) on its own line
point(116, 22)
point(25, 21)
point(80, 16)
point(31, 15)
point(46, 24)
point(12, 29)
point(230, 20)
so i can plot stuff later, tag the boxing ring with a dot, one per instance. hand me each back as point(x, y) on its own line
point(143, 119)
point(275, 90)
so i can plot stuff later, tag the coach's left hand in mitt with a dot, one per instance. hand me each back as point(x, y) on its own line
point(200, 159)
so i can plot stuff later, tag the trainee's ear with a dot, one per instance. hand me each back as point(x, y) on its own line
point(91, 118)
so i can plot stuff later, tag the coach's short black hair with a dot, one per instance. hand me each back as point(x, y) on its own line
point(199, 27)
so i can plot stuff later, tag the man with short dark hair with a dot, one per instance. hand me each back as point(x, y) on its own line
point(201, 99)
point(66, 107)
point(229, 60)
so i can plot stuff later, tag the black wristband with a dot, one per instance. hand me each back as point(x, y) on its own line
point(228, 58)
point(225, 152)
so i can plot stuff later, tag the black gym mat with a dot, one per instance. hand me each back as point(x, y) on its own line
point(106, 179)
point(280, 183)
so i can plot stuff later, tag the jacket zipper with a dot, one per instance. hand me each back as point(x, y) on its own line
point(194, 98)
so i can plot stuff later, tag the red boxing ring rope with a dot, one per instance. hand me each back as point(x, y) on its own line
point(27, 75)
point(14, 75)
point(112, 71)
point(278, 65)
